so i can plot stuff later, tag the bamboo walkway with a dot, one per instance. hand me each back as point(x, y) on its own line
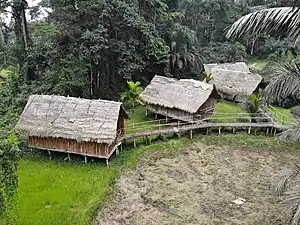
point(271, 127)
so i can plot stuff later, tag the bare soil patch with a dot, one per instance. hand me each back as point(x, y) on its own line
point(197, 187)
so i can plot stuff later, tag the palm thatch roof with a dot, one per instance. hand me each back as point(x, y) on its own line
point(238, 66)
point(235, 85)
point(70, 118)
point(185, 94)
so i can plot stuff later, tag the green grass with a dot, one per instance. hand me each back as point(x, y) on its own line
point(57, 192)
point(68, 193)
point(231, 109)
point(258, 63)
point(138, 121)
point(283, 116)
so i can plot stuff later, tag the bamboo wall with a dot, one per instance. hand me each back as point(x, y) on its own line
point(72, 146)
point(172, 113)
point(182, 115)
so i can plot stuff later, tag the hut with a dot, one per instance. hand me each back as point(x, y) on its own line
point(235, 85)
point(238, 66)
point(72, 125)
point(233, 81)
point(185, 99)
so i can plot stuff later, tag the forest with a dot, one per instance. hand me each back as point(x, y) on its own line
point(92, 48)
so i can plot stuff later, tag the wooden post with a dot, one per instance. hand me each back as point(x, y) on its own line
point(146, 112)
point(159, 124)
point(85, 159)
point(267, 130)
point(191, 134)
point(166, 119)
point(219, 130)
point(49, 153)
point(121, 146)
point(117, 151)
point(69, 158)
point(155, 116)
point(255, 131)
point(134, 144)
point(249, 130)
point(206, 131)
point(106, 162)
point(274, 132)
point(233, 130)
point(178, 123)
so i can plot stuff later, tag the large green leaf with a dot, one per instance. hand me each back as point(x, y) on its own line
point(281, 22)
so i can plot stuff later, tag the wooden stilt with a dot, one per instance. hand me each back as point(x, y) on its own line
point(134, 144)
point(159, 124)
point(219, 130)
point(85, 159)
point(249, 130)
point(191, 134)
point(69, 158)
point(117, 151)
point(121, 146)
point(275, 132)
point(49, 153)
point(106, 162)
point(255, 130)
point(146, 112)
point(267, 130)
point(155, 116)
point(166, 119)
point(207, 131)
point(233, 130)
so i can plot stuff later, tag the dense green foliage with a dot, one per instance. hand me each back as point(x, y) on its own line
point(9, 154)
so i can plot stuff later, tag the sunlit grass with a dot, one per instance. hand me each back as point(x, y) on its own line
point(283, 116)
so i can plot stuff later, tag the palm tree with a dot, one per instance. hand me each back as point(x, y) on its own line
point(283, 22)
point(132, 96)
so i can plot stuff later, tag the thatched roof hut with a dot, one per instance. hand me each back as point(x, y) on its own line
point(184, 99)
point(82, 126)
point(238, 66)
point(235, 85)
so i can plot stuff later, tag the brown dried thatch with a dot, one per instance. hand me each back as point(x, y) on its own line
point(238, 66)
point(70, 118)
point(185, 94)
point(235, 85)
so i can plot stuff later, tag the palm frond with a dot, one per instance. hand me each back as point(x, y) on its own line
point(284, 180)
point(286, 83)
point(283, 21)
point(293, 205)
point(292, 134)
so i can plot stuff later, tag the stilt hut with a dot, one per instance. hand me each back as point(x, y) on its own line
point(185, 99)
point(233, 81)
point(73, 125)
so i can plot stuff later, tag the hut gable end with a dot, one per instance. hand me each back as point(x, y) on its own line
point(86, 120)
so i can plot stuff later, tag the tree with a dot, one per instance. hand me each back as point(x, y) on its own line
point(284, 22)
point(9, 155)
point(132, 96)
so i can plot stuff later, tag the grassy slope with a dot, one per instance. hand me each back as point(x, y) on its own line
point(230, 108)
point(283, 115)
point(258, 63)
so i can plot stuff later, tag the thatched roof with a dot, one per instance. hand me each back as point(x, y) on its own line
point(185, 94)
point(235, 85)
point(238, 66)
point(70, 118)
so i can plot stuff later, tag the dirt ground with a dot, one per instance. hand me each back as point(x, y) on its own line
point(198, 186)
